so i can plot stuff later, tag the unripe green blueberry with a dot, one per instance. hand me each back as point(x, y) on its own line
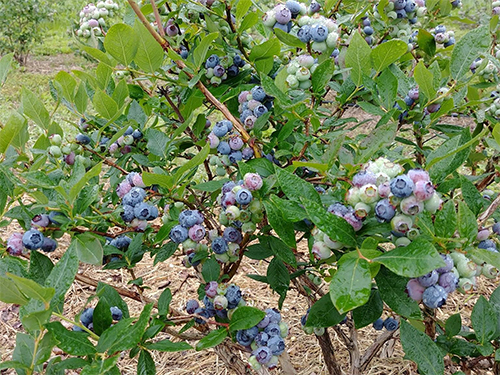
point(352, 196)
point(304, 20)
point(422, 11)
point(318, 331)
point(389, 6)
point(466, 268)
point(303, 74)
point(255, 206)
point(257, 217)
point(283, 329)
point(189, 244)
point(392, 15)
point(233, 213)
point(292, 81)
point(458, 257)
point(413, 233)
point(292, 67)
point(220, 171)
point(466, 284)
point(319, 46)
point(490, 271)
point(402, 241)
point(223, 219)
point(216, 81)
point(55, 139)
point(248, 227)
point(213, 160)
point(209, 73)
point(434, 203)
point(332, 39)
point(335, 245)
point(269, 19)
point(304, 85)
point(55, 151)
point(223, 258)
point(245, 216)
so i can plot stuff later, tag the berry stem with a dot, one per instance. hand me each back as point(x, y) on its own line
point(105, 160)
point(62, 317)
point(157, 18)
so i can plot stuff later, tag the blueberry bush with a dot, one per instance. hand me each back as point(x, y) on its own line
point(219, 130)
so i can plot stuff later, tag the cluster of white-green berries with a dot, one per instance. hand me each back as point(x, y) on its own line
point(93, 18)
point(299, 72)
point(321, 32)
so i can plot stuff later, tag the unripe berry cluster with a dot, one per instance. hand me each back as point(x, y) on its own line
point(87, 317)
point(135, 212)
point(93, 18)
point(124, 143)
point(299, 72)
point(220, 68)
point(441, 36)
point(69, 153)
point(34, 239)
point(403, 10)
point(321, 32)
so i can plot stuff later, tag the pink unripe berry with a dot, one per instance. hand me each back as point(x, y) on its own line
point(252, 181)
point(321, 251)
point(139, 225)
point(418, 175)
point(242, 98)
point(15, 244)
point(123, 188)
point(483, 234)
point(411, 206)
point(197, 232)
point(415, 290)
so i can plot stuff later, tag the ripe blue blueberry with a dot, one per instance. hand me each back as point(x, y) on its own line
point(449, 281)
point(49, 245)
point(202, 312)
point(282, 27)
point(401, 13)
point(121, 242)
point(116, 313)
point(410, 6)
point(83, 139)
point(33, 239)
point(87, 316)
point(399, 4)
point(408, 101)
point(276, 344)
point(238, 61)
point(235, 156)
point(259, 110)
point(496, 228)
point(212, 61)
point(282, 14)
point(368, 30)
point(293, 6)
point(178, 234)
point(434, 296)
point(209, 305)
point(219, 245)
point(135, 196)
point(384, 211)
point(219, 71)
point(233, 295)
point(41, 221)
point(273, 329)
point(184, 52)
point(367, 22)
point(137, 134)
point(224, 148)
point(220, 129)
point(247, 153)
point(232, 235)
point(314, 7)
point(304, 33)
point(402, 186)
point(488, 245)
point(319, 33)
point(429, 279)
point(188, 218)
point(391, 324)
point(262, 338)
point(378, 324)
point(258, 93)
point(449, 264)
point(440, 29)
point(450, 42)
point(143, 211)
point(233, 71)
point(246, 336)
point(243, 196)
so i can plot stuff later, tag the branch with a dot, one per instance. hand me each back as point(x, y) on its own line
point(489, 211)
point(157, 18)
point(328, 350)
point(374, 348)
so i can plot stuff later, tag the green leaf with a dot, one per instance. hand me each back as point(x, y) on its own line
point(104, 104)
point(102, 318)
point(280, 249)
point(35, 321)
point(122, 43)
point(392, 290)
point(387, 85)
point(164, 302)
point(68, 84)
point(445, 159)
point(88, 248)
point(32, 289)
point(5, 64)
point(245, 317)
point(122, 336)
point(351, 285)
point(378, 138)
point(265, 50)
point(280, 225)
point(370, 311)
point(249, 21)
point(242, 8)
point(214, 338)
point(425, 80)
point(77, 188)
point(322, 74)
point(467, 49)
point(418, 258)
point(99, 55)
point(9, 293)
point(323, 313)
point(71, 342)
point(62, 275)
point(169, 346)
point(335, 227)
point(146, 364)
point(467, 225)
point(24, 351)
point(422, 350)
point(446, 220)
point(14, 125)
point(472, 196)
point(211, 186)
point(358, 58)
point(210, 270)
point(150, 54)
point(271, 89)
point(278, 277)
point(289, 39)
point(426, 42)
point(453, 325)
point(387, 53)
point(484, 320)
point(104, 291)
point(40, 267)
point(197, 160)
point(200, 52)
point(484, 255)
point(296, 188)
point(33, 107)
point(81, 99)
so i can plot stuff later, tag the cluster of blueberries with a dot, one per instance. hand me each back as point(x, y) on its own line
point(487, 70)
point(135, 212)
point(87, 317)
point(367, 30)
point(403, 9)
point(321, 32)
point(280, 17)
point(93, 17)
point(34, 239)
point(413, 95)
point(252, 105)
point(299, 72)
point(265, 340)
point(441, 36)
point(219, 68)
point(124, 143)
point(389, 324)
point(190, 232)
point(229, 145)
point(69, 153)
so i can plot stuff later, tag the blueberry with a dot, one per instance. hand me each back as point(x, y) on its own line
point(116, 313)
point(399, 4)
point(235, 156)
point(129, 131)
point(247, 153)
point(391, 324)
point(367, 22)
point(188, 218)
point(429, 279)
point(401, 13)
point(87, 316)
point(178, 234)
point(41, 221)
point(410, 6)
point(219, 71)
point(153, 213)
point(33, 239)
point(258, 93)
point(259, 110)
point(449, 281)
point(233, 71)
point(137, 134)
point(276, 344)
point(408, 101)
point(440, 29)
point(232, 235)
point(212, 61)
point(319, 33)
point(224, 148)
point(364, 178)
point(487, 244)
point(238, 61)
point(338, 209)
point(449, 264)
point(49, 245)
point(135, 196)
point(205, 313)
point(121, 242)
point(233, 295)
point(282, 14)
point(384, 211)
point(368, 30)
point(314, 7)
point(190, 260)
point(434, 296)
point(142, 211)
point(402, 186)
point(450, 42)
point(262, 338)
point(83, 139)
point(220, 129)
point(274, 315)
point(304, 33)
point(293, 6)
point(378, 324)
point(243, 196)
point(184, 52)
point(209, 305)
point(280, 26)
point(219, 245)
point(246, 336)
point(496, 228)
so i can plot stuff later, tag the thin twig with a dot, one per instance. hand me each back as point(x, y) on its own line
point(157, 18)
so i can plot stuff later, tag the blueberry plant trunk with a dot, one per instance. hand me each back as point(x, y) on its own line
point(216, 134)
